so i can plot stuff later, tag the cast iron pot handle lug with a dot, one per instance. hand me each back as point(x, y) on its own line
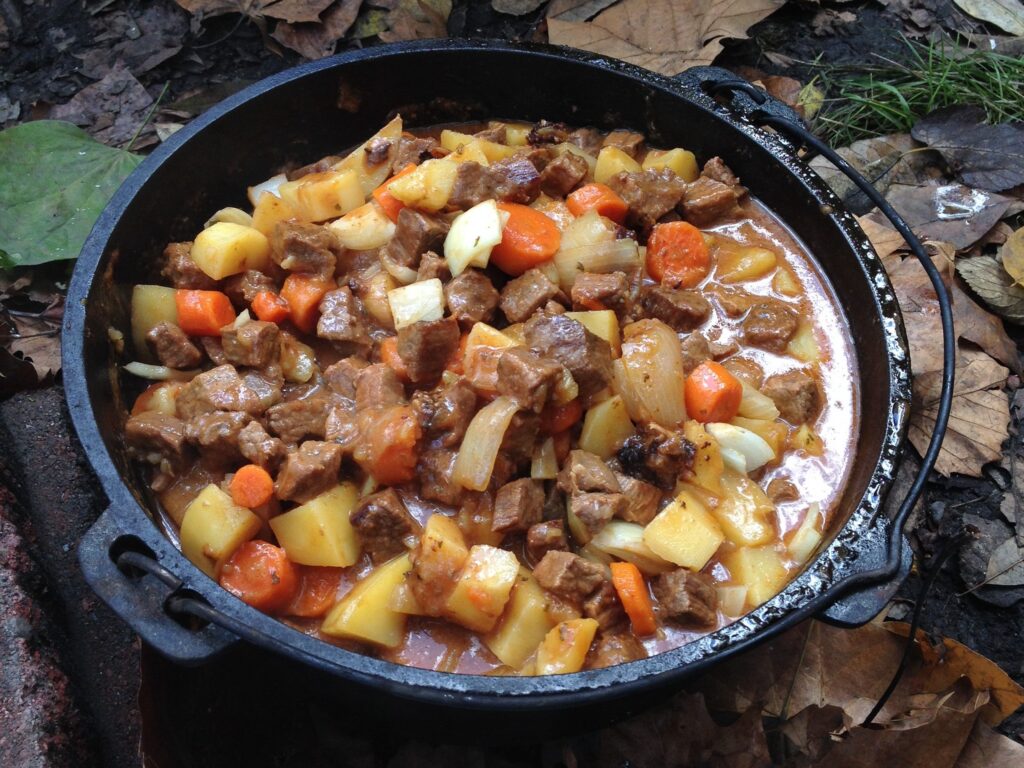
point(129, 578)
point(860, 597)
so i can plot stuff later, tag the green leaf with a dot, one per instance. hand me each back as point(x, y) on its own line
point(54, 182)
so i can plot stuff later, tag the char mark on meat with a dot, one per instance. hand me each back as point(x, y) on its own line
point(658, 456)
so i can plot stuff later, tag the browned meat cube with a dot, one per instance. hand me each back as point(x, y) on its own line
point(587, 139)
point(528, 378)
point(797, 395)
point(563, 174)
point(243, 288)
point(593, 291)
point(173, 347)
point(706, 201)
point(258, 447)
point(266, 384)
point(377, 386)
point(300, 247)
point(595, 510)
point(377, 151)
point(341, 318)
point(523, 296)
point(539, 156)
point(255, 344)
point(308, 471)
point(682, 311)
point(627, 141)
point(415, 234)
point(546, 132)
point(411, 150)
point(154, 437)
point(445, 413)
point(696, 350)
point(383, 524)
point(182, 272)
point(340, 378)
point(643, 499)
point(746, 369)
point(770, 325)
point(216, 435)
point(657, 455)
point(213, 349)
point(294, 420)
point(588, 357)
point(546, 537)
point(322, 165)
point(780, 489)
point(568, 575)
point(612, 648)
point(518, 505)
point(219, 389)
point(496, 132)
point(520, 435)
point(434, 471)
point(687, 597)
point(471, 298)
point(716, 169)
point(431, 266)
point(585, 472)
point(513, 180)
point(342, 427)
point(604, 606)
point(427, 346)
point(649, 194)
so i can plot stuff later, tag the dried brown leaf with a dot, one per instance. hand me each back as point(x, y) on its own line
point(951, 213)
point(292, 11)
point(1012, 256)
point(1006, 565)
point(112, 110)
point(663, 35)
point(314, 41)
point(885, 160)
point(987, 278)
point(416, 19)
point(885, 240)
point(577, 10)
point(1008, 15)
point(987, 749)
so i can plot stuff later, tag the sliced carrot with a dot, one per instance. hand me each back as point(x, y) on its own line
point(389, 452)
point(677, 254)
point(270, 307)
point(632, 590)
point(600, 198)
point(392, 205)
point(712, 393)
point(390, 357)
point(303, 294)
point(203, 313)
point(559, 418)
point(252, 486)
point(318, 591)
point(261, 575)
point(528, 239)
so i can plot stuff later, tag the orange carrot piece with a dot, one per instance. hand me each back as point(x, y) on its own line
point(270, 307)
point(252, 486)
point(598, 197)
point(203, 313)
point(318, 591)
point(261, 575)
point(528, 239)
point(392, 205)
point(303, 294)
point(712, 393)
point(389, 453)
point(677, 254)
point(632, 589)
point(390, 357)
point(559, 418)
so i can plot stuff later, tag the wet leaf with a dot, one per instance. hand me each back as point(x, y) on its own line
point(883, 237)
point(950, 213)
point(316, 40)
point(291, 11)
point(54, 181)
point(1008, 15)
point(112, 110)
point(987, 278)
point(1006, 566)
point(666, 36)
point(1012, 256)
point(983, 156)
point(516, 7)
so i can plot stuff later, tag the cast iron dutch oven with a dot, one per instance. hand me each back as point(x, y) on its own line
point(323, 107)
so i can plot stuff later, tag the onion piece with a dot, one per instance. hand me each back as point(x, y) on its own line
point(732, 599)
point(419, 301)
point(159, 372)
point(609, 256)
point(364, 228)
point(736, 442)
point(475, 460)
point(756, 405)
point(243, 318)
point(807, 536)
point(231, 216)
point(271, 185)
point(544, 465)
point(625, 541)
point(649, 375)
point(472, 237)
point(404, 275)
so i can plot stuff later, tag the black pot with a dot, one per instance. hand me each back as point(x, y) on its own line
point(319, 108)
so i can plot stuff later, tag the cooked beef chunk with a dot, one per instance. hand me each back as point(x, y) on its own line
point(613, 648)
point(588, 357)
point(412, 150)
point(342, 426)
point(513, 180)
point(173, 347)
point(431, 266)
point(642, 499)
point(733, 301)
point(182, 272)
point(258, 447)
point(593, 291)
point(517, 445)
point(682, 311)
point(255, 344)
point(650, 195)
point(568, 575)
point(154, 437)
point(219, 389)
point(720, 350)
point(308, 471)
point(415, 234)
point(434, 471)
point(300, 247)
point(748, 370)
point(545, 132)
point(377, 150)
point(383, 523)
point(213, 349)
point(445, 413)
point(216, 435)
point(523, 296)
point(563, 174)
point(554, 503)
point(267, 384)
point(322, 165)
point(797, 395)
point(627, 141)
point(780, 489)
point(471, 298)
point(539, 156)
point(427, 346)
point(585, 472)
point(595, 510)
point(497, 132)
point(528, 378)
point(687, 597)
point(294, 420)
point(341, 318)
point(716, 169)
point(587, 139)
point(554, 308)
point(657, 456)
point(377, 386)
point(707, 201)
point(243, 288)
point(340, 378)
point(770, 325)
point(604, 606)
point(518, 505)
point(545, 537)
point(696, 350)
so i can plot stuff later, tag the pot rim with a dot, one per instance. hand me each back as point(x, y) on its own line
point(806, 594)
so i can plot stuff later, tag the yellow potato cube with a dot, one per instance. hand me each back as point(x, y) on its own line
point(806, 439)
point(270, 211)
point(707, 462)
point(372, 176)
point(606, 427)
point(684, 533)
point(524, 625)
point(151, 305)
point(226, 249)
point(602, 323)
point(365, 228)
point(772, 432)
point(804, 346)
point(680, 161)
point(516, 134)
point(785, 282)
point(440, 556)
point(319, 532)
point(483, 588)
point(328, 195)
point(365, 614)
point(428, 187)
point(736, 265)
point(760, 570)
point(564, 648)
point(612, 160)
point(213, 528)
point(746, 514)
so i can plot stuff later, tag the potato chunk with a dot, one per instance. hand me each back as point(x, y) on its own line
point(684, 533)
point(612, 160)
point(328, 195)
point(746, 514)
point(680, 161)
point(483, 588)
point(151, 305)
point(564, 648)
point(708, 465)
point(602, 323)
point(525, 624)
point(428, 187)
point(606, 427)
point(743, 263)
point(319, 532)
point(226, 249)
point(364, 229)
point(760, 570)
point(213, 528)
point(365, 613)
